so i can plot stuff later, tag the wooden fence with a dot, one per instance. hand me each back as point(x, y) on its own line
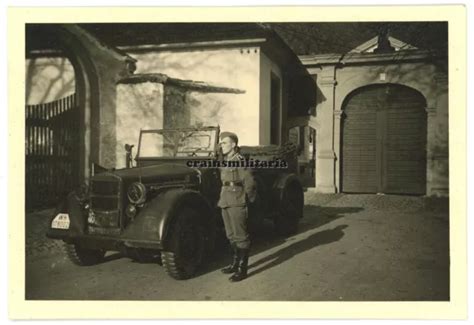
point(52, 138)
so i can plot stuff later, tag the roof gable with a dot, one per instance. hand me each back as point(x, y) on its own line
point(371, 45)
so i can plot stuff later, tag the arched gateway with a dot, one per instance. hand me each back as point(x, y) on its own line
point(384, 132)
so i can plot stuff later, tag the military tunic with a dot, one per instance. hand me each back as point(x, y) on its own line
point(238, 190)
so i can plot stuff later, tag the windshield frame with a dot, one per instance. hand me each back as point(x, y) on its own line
point(162, 131)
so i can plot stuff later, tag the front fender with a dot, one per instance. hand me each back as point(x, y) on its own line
point(72, 206)
point(154, 219)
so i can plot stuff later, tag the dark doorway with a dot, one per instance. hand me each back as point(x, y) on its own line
point(275, 109)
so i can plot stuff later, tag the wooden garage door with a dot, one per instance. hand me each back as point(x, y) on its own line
point(384, 141)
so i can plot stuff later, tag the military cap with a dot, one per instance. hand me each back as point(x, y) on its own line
point(231, 135)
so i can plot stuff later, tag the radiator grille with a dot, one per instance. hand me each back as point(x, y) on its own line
point(102, 187)
point(105, 201)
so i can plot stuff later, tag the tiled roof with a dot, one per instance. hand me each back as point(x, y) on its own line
point(164, 33)
point(187, 84)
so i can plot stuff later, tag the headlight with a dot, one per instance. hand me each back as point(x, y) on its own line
point(137, 193)
point(130, 211)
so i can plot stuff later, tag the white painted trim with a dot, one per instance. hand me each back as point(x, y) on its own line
point(400, 56)
point(396, 43)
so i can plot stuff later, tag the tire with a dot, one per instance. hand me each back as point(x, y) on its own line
point(83, 256)
point(291, 209)
point(258, 209)
point(255, 218)
point(186, 245)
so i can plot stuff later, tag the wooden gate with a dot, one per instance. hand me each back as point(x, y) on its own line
point(384, 141)
point(52, 138)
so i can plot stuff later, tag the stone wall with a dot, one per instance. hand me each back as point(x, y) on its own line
point(176, 114)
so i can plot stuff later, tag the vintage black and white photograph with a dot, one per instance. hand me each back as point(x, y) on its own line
point(243, 161)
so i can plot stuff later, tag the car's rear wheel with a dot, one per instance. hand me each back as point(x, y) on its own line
point(291, 209)
point(186, 245)
point(83, 256)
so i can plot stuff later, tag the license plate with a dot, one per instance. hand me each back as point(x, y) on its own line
point(61, 221)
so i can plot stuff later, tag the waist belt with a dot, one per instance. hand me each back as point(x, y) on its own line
point(232, 183)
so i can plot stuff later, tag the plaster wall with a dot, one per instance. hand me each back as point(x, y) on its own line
point(48, 79)
point(227, 67)
point(154, 105)
point(208, 109)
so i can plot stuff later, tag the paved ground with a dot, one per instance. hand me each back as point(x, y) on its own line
point(349, 248)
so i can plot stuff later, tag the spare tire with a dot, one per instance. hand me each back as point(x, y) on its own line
point(291, 208)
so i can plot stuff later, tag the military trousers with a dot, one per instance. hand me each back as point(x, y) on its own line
point(235, 223)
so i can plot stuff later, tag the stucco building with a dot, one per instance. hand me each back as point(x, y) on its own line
point(243, 77)
point(250, 57)
point(381, 120)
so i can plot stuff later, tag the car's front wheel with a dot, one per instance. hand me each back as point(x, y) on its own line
point(186, 245)
point(83, 256)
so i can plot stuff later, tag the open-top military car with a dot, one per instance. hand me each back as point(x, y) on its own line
point(167, 203)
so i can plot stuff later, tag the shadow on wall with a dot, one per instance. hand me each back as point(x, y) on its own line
point(209, 66)
point(320, 98)
point(176, 114)
point(209, 109)
point(225, 67)
point(48, 79)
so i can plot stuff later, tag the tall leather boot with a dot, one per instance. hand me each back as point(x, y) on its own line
point(231, 268)
point(241, 273)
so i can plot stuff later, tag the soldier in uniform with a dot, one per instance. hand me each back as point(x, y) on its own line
point(238, 190)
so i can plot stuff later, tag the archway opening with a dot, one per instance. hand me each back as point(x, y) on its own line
point(58, 98)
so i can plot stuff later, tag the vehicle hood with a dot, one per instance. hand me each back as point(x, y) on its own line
point(155, 173)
